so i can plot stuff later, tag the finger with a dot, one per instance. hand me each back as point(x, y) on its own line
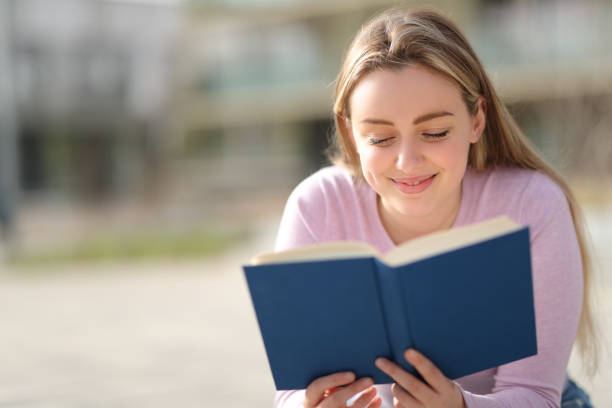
point(434, 377)
point(375, 403)
point(409, 382)
point(340, 397)
point(316, 389)
point(330, 391)
point(364, 399)
point(404, 398)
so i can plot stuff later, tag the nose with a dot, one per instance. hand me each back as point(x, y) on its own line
point(410, 155)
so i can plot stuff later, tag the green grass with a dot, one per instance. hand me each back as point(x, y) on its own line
point(191, 244)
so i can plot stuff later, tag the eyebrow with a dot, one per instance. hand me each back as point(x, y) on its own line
point(377, 122)
point(420, 119)
point(430, 116)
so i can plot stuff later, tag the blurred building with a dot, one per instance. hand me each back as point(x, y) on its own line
point(259, 79)
point(224, 101)
point(91, 82)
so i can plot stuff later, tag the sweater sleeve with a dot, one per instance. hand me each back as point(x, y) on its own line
point(538, 381)
point(303, 220)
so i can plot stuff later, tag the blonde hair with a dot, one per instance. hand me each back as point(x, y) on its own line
point(398, 38)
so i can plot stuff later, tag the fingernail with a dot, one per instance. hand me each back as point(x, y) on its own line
point(380, 362)
point(348, 375)
point(366, 381)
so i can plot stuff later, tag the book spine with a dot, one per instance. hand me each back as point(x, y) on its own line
point(396, 318)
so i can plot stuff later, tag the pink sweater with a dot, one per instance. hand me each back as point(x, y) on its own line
point(329, 206)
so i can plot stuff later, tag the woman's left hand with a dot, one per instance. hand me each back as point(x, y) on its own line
point(409, 391)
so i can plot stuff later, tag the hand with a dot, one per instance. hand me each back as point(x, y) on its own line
point(409, 391)
point(333, 391)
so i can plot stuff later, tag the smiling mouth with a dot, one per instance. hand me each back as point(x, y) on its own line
point(414, 181)
point(414, 185)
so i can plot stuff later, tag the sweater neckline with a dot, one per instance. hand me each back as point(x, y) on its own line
point(379, 229)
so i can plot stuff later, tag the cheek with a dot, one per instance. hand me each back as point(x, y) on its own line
point(454, 157)
point(375, 160)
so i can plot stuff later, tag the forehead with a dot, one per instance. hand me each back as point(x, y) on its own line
point(407, 93)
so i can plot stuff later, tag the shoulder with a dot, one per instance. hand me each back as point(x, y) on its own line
point(327, 184)
point(523, 194)
point(536, 191)
point(328, 178)
point(515, 180)
point(526, 181)
point(320, 208)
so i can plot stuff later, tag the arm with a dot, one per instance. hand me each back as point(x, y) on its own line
point(294, 231)
point(558, 286)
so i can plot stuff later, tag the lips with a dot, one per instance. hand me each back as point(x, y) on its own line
point(414, 185)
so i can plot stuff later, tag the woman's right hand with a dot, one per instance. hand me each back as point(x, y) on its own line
point(333, 391)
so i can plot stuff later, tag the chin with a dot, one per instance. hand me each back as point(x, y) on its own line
point(411, 209)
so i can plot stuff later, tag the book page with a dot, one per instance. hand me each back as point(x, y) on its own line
point(448, 240)
point(316, 252)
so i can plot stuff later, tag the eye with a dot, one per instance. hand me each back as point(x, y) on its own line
point(377, 141)
point(436, 135)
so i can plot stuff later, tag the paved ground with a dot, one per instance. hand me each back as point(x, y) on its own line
point(159, 334)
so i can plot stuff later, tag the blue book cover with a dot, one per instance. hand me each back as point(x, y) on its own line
point(463, 297)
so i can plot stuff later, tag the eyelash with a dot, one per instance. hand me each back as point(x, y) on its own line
point(436, 135)
point(374, 141)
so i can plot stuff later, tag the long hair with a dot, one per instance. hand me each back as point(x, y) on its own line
point(398, 38)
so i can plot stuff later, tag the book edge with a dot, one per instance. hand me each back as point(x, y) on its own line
point(417, 249)
point(444, 241)
point(318, 252)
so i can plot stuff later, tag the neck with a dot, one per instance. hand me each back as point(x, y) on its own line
point(402, 228)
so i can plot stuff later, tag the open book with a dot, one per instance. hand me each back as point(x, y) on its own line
point(463, 297)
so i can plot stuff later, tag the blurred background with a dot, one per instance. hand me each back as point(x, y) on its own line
point(147, 148)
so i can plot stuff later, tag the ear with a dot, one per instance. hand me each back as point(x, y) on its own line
point(479, 120)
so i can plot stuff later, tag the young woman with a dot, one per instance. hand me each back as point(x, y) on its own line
point(423, 144)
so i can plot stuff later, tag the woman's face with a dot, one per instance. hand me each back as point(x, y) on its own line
point(412, 132)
